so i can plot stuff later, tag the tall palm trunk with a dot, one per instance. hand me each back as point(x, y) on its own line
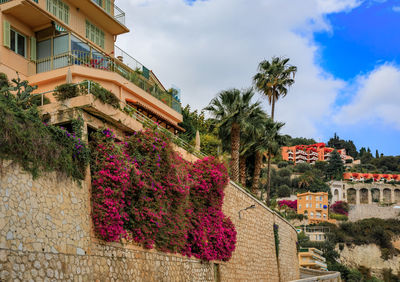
point(235, 146)
point(267, 199)
point(273, 108)
point(242, 170)
point(257, 170)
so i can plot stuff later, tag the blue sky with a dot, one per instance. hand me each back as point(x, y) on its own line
point(358, 42)
point(346, 51)
point(361, 39)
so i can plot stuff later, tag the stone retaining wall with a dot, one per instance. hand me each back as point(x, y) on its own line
point(46, 233)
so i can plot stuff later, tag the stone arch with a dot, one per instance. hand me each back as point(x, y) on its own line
point(397, 195)
point(387, 195)
point(351, 196)
point(363, 196)
point(336, 196)
point(375, 195)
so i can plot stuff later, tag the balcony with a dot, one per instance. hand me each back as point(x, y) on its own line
point(111, 9)
point(109, 16)
point(82, 54)
point(88, 59)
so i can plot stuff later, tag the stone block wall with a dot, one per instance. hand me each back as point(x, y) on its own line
point(358, 212)
point(46, 234)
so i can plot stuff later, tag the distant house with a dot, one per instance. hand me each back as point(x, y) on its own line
point(312, 153)
point(312, 258)
point(314, 206)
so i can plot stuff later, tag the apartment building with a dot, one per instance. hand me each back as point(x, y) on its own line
point(46, 40)
point(312, 258)
point(314, 206)
point(311, 153)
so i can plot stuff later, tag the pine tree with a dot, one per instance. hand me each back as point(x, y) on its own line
point(335, 167)
point(377, 154)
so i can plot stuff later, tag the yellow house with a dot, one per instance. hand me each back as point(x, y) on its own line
point(314, 205)
point(312, 258)
point(43, 40)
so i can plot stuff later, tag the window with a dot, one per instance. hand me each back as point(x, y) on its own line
point(307, 205)
point(59, 9)
point(94, 34)
point(320, 205)
point(310, 205)
point(106, 4)
point(299, 206)
point(320, 198)
point(324, 216)
point(311, 214)
point(318, 215)
point(17, 42)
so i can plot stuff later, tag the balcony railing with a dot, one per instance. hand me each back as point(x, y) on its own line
point(102, 62)
point(111, 9)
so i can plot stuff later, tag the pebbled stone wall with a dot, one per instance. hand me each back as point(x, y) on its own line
point(46, 235)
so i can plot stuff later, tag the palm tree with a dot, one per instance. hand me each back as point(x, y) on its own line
point(230, 110)
point(269, 142)
point(274, 78)
point(252, 129)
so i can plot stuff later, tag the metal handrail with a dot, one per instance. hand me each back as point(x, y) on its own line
point(120, 17)
point(117, 13)
point(104, 62)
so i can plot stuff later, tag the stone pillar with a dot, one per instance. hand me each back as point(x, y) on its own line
point(380, 195)
point(392, 200)
point(369, 196)
point(357, 196)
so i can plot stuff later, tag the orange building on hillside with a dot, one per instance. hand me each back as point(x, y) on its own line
point(44, 40)
point(314, 205)
point(310, 153)
point(376, 177)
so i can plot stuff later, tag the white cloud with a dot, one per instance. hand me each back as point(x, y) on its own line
point(396, 8)
point(216, 44)
point(377, 100)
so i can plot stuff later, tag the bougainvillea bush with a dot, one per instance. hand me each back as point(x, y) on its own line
point(145, 192)
point(340, 207)
point(287, 203)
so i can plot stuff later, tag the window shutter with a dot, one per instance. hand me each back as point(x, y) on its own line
point(33, 48)
point(6, 33)
point(108, 6)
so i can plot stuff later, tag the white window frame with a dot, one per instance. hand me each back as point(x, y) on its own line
point(16, 43)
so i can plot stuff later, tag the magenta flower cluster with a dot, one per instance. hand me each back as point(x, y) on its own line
point(144, 191)
point(340, 207)
point(287, 203)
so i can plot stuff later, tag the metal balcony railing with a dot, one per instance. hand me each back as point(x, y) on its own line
point(111, 9)
point(102, 62)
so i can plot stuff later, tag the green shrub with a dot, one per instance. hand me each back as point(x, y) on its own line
point(38, 147)
point(284, 172)
point(284, 191)
point(282, 164)
point(66, 91)
point(210, 144)
point(104, 95)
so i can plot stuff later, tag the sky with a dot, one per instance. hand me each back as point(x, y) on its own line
point(347, 53)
